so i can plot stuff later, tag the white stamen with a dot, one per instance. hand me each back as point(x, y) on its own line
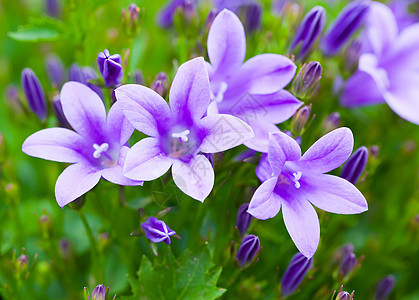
point(297, 176)
point(222, 89)
point(182, 135)
point(100, 149)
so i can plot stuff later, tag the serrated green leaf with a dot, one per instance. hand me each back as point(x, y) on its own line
point(192, 276)
point(39, 30)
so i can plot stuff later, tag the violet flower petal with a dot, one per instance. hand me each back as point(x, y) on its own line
point(195, 178)
point(226, 42)
point(263, 169)
point(282, 148)
point(145, 161)
point(57, 144)
point(265, 203)
point(261, 128)
point(74, 181)
point(83, 109)
point(189, 94)
point(224, 132)
point(405, 49)
point(118, 124)
point(143, 107)
point(329, 152)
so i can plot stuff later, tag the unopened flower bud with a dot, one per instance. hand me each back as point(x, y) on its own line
point(299, 120)
point(130, 20)
point(295, 273)
point(346, 24)
point(331, 122)
point(55, 70)
point(347, 264)
point(34, 93)
point(166, 16)
point(137, 77)
point(243, 218)
point(157, 231)
point(160, 84)
point(53, 8)
point(99, 292)
point(110, 67)
point(210, 18)
point(355, 165)
point(58, 111)
point(248, 249)
point(12, 96)
point(84, 75)
point(373, 151)
point(22, 262)
point(45, 226)
point(307, 81)
point(252, 16)
point(310, 28)
point(384, 287)
point(344, 296)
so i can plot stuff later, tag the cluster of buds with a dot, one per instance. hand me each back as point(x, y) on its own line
point(21, 267)
point(307, 81)
point(343, 295)
point(160, 84)
point(130, 19)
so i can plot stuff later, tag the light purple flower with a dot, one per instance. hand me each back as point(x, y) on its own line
point(253, 90)
point(297, 182)
point(179, 132)
point(388, 69)
point(157, 231)
point(96, 148)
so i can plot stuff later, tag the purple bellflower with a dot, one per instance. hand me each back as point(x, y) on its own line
point(96, 148)
point(309, 30)
point(388, 68)
point(249, 248)
point(297, 182)
point(253, 90)
point(349, 20)
point(157, 231)
point(34, 93)
point(110, 67)
point(295, 273)
point(179, 132)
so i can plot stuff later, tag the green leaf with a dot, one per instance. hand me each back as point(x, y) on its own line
point(192, 276)
point(39, 30)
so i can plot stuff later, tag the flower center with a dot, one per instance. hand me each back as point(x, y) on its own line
point(297, 176)
point(100, 149)
point(183, 136)
point(102, 156)
point(182, 144)
point(287, 178)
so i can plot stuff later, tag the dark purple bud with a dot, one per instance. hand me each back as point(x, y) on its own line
point(210, 18)
point(34, 93)
point(295, 273)
point(160, 84)
point(384, 287)
point(331, 122)
point(343, 296)
point(307, 81)
point(88, 74)
point(355, 165)
point(248, 249)
point(99, 292)
point(75, 73)
point(58, 111)
point(110, 67)
point(349, 20)
point(299, 120)
point(347, 264)
point(53, 8)
point(310, 28)
point(243, 218)
point(157, 231)
point(55, 69)
point(252, 16)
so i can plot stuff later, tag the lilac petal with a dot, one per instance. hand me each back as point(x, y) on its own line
point(224, 132)
point(143, 107)
point(302, 224)
point(264, 170)
point(57, 144)
point(226, 42)
point(334, 194)
point(267, 73)
point(282, 148)
point(368, 63)
point(145, 161)
point(118, 125)
point(195, 178)
point(83, 109)
point(189, 94)
point(265, 203)
point(261, 128)
point(115, 173)
point(360, 90)
point(75, 181)
point(329, 152)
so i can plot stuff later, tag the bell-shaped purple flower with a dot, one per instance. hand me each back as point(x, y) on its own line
point(349, 20)
point(34, 93)
point(99, 292)
point(157, 231)
point(179, 134)
point(295, 182)
point(95, 149)
point(248, 249)
point(243, 218)
point(295, 273)
point(309, 30)
point(384, 287)
point(347, 264)
point(110, 67)
point(55, 70)
point(355, 165)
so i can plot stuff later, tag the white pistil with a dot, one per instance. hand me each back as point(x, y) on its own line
point(100, 149)
point(222, 89)
point(182, 135)
point(297, 176)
